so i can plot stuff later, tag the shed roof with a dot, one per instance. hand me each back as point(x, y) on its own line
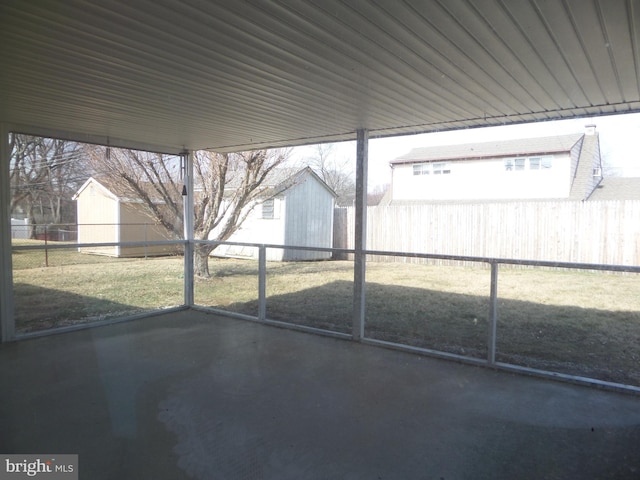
point(505, 148)
point(110, 189)
point(228, 76)
point(282, 179)
point(100, 184)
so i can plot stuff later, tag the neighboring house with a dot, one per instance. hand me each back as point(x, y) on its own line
point(20, 228)
point(294, 209)
point(104, 217)
point(558, 167)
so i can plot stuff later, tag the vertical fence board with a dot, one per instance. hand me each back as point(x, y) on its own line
point(604, 232)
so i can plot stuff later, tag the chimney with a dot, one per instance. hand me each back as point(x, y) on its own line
point(590, 129)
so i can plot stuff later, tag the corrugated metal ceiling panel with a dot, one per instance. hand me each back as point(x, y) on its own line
point(234, 75)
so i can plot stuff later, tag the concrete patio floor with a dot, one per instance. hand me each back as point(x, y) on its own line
point(192, 395)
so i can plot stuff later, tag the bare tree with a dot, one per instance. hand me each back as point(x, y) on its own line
point(43, 176)
point(375, 196)
point(152, 178)
point(608, 163)
point(226, 187)
point(336, 173)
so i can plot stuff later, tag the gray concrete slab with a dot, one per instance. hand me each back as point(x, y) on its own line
point(191, 395)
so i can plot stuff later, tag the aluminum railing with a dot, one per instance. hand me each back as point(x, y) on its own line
point(492, 314)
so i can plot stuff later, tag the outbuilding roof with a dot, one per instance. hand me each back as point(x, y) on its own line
point(282, 179)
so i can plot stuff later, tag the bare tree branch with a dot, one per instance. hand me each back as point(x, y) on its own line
point(44, 173)
point(226, 187)
point(336, 173)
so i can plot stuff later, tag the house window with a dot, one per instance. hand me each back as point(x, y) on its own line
point(268, 207)
point(539, 163)
point(518, 163)
point(534, 163)
point(421, 169)
point(511, 164)
point(441, 169)
point(427, 168)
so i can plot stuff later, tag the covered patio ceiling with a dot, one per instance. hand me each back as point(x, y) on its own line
point(229, 75)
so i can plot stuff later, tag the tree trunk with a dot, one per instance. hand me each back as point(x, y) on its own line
point(32, 221)
point(201, 260)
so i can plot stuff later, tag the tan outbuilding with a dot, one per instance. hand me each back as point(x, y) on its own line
point(104, 217)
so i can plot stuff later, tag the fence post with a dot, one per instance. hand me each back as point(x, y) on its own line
point(493, 314)
point(262, 283)
point(46, 250)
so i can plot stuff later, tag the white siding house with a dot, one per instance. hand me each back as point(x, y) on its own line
point(296, 211)
point(19, 228)
point(559, 167)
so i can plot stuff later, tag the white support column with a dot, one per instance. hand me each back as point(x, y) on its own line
point(362, 160)
point(188, 212)
point(7, 318)
point(118, 229)
point(493, 315)
point(262, 283)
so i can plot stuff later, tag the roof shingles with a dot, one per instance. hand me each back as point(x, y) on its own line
point(503, 148)
point(617, 188)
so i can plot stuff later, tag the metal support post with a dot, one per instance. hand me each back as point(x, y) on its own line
point(493, 315)
point(262, 283)
point(7, 319)
point(187, 204)
point(359, 279)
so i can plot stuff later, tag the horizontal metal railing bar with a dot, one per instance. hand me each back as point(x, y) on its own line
point(280, 247)
point(307, 329)
point(565, 377)
point(438, 256)
point(430, 256)
point(506, 367)
point(273, 323)
point(509, 261)
point(99, 323)
point(224, 313)
point(42, 225)
point(425, 351)
point(63, 246)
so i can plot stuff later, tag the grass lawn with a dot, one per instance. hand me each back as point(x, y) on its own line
point(581, 323)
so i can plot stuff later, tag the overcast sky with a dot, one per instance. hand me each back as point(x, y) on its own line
point(619, 143)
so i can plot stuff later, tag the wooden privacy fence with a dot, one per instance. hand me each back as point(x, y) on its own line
point(602, 232)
